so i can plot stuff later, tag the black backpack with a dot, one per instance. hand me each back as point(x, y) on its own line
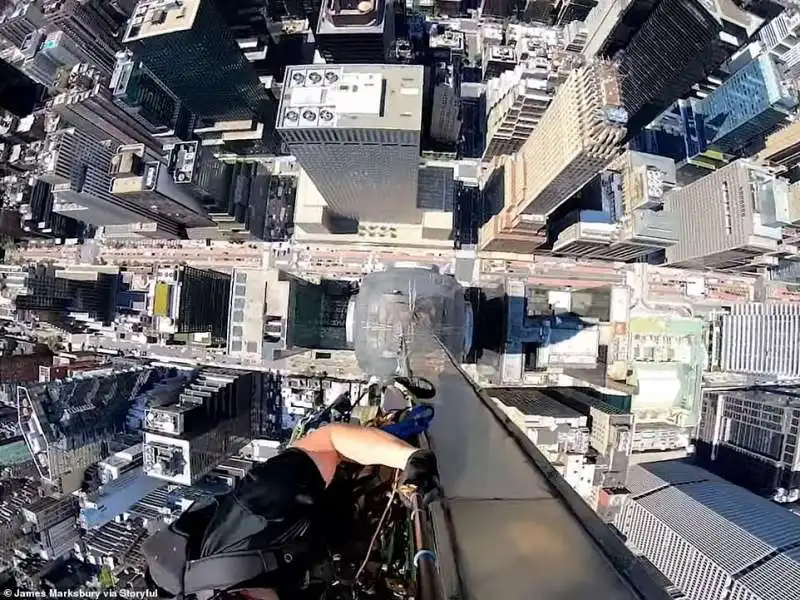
point(176, 568)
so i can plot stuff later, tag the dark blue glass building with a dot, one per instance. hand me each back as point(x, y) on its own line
point(747, 106)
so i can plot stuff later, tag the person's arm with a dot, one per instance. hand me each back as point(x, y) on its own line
point(363, 445)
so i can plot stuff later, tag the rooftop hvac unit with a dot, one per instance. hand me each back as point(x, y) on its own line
point(326, 115)
point(331, 77)
point(314, 78)
point(291, 118)
point(298, 78)
point(309, 117)
point(654, 181)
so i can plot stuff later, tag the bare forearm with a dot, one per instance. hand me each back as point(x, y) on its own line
point(369, 446)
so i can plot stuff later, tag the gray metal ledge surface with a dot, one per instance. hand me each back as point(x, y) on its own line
point(509, 527)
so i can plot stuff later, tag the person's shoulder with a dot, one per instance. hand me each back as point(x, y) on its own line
point(292, 471)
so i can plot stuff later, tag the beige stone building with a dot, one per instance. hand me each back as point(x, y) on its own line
point(579, 134)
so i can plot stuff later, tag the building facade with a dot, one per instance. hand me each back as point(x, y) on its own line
point(629, 223)
point(97, 405)
point(77, 166)
point(578, 135)
point(87, 103)
point(750, 437)
point(516, 102)
point(780, 39)
point(748, 105)
point(56, 294)
point(445, 119)
point(203, 301)
point(140, 94)
point(141, 179)
point(712, 539)
point(93, 26)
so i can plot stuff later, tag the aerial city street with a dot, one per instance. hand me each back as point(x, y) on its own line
point(410, 300)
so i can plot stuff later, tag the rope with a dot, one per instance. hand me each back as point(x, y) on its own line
point(380, 524)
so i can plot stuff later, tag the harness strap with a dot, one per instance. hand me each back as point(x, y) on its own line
point(226, 570)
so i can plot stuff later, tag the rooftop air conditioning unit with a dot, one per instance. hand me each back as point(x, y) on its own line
point(314, 78)
point(309, 117)
point(331, 77)
point(326, 115)
point(298, 78)
point(291, 118)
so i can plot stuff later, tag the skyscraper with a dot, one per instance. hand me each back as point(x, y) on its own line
point(18, 20)
point(86, 102)
point(757, 339)
point(749, 104)
point(445, 121)
point(188, 301)
point(67, 424)
point(209, 422)
point(730, 219)
point(53, 519)
point(204, 301)
point(43, 55)
point(144, 181)
point(194, 167)
point(56, 293)
point(77, 165)
point(665, 47)
point(355, 130)
point(712, 539)
point(678, 133)
point(750, 437)
point(780, 39)
point(92, 24)
point(146, 99)
point(349, 31)
point(567, 11)
point(189, 48)
point(18, 93)
point(516, 102)
point(578, 135)
point(628, 222)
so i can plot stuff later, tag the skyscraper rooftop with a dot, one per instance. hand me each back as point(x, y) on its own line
point(352, 96)
point(157, 17)
point(737, 540)
point(344, 16)
point(66, 423)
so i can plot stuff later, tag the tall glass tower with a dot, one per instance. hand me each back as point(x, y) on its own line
point(189, 49)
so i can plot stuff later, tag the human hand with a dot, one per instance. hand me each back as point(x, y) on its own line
point(422, 472)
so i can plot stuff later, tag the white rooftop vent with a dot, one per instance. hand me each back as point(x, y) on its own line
point(309, 117)
point(298, 79)
point(654, 184)
point(291, 118)
point(331, 77)
point(315, 78)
